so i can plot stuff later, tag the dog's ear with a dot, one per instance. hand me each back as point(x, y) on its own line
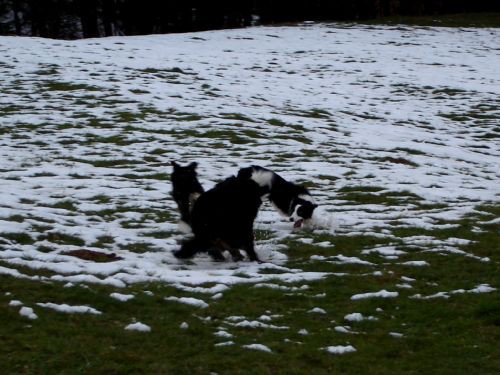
point(314, 206)
point(174, 164)
point(193, 165)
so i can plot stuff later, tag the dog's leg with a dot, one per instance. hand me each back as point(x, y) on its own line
point(220, 244)
point(250, 250)
point(190, 248)
point(216, 255)
point(235, 253)
point(183, 205)
point(185, 210)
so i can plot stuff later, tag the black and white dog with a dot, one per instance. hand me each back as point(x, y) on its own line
point(222, 219)
point(291, 200)
point(185, 189)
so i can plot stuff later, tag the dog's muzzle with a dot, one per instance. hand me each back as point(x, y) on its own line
point(298, 223)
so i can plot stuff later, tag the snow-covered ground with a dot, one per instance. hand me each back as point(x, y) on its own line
point(88, 129)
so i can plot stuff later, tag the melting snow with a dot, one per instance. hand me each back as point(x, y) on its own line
point(122, 297)
point(339, 349)
point(260, 347)
point(64, 308)
point(482, 288)
point(140, 327)
point(381, 294)
point(353, 112)
point(317, 310)
point(223, 334)
point(28, 313)
point(189, 301)
point(358, 317)
point(226, 343)
point(356, 109)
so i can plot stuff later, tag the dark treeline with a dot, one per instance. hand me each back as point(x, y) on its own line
point(71, 19)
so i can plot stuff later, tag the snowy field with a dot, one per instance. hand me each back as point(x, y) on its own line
point(391, 128)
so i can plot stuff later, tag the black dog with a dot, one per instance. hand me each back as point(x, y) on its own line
point(222, 218)
point(291, 200)
point(185, 188)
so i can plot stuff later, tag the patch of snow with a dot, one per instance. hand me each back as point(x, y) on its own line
point(482, 288)
point(388, 252)
point(415, 263)
point(64, 308)
point(217, 296)
point(317, 310)
point(345, 329)
point(339, 349)
point(282, 287)
point(223, 334)
point(226, 343)
point(259, 347)
point(404, 286)
point(122, 297)
point(257, 324)
point(28, 313)
point(381, 294)
point(317, 257)
point(358, 317)
point(216, 289)
point(341, 259)
point(407, 279)
point(189, 301)
point(265, 318)
point(139, 327)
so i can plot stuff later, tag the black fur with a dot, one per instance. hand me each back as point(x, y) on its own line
point(223, 217)
point(185, 188)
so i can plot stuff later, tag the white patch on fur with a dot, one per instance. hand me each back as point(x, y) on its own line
point(294, 214)
point(263, 178)
point(192, 198)
point(184, 227)
point(307, 198)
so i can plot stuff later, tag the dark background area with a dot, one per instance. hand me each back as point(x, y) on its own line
point(73, 19)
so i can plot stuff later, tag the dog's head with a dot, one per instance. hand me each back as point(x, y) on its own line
point(302, 213)
point(185, 178)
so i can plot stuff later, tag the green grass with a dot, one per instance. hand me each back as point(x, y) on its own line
point(62, 238)
point(458, 335)
point(67, 86)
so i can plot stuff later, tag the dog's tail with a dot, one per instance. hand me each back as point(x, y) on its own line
point(190, 248)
